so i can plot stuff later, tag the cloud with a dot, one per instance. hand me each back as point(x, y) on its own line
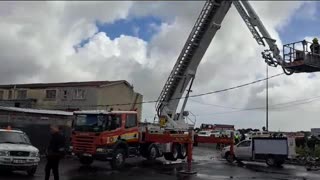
point(37, 45)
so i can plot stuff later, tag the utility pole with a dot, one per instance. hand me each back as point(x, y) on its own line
point(267, 100)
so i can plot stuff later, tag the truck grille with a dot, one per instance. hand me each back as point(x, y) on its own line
point(19, 153)
point(84, 144)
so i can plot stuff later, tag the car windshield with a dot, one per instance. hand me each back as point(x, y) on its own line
point(13, 138)
point(97, 122)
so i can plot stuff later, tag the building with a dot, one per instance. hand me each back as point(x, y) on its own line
point(70, 96)
point(219, 127)
point(36, 123)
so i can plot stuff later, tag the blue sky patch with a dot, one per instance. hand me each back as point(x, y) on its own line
point(142, 27)
point(305, 22)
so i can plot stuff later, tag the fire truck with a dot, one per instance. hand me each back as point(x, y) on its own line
point(116, 135)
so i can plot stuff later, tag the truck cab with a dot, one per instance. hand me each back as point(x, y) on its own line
point(105, 135)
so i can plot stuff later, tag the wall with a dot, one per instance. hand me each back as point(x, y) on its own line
point(70, 103)
point(37, 98)
point(118, 94)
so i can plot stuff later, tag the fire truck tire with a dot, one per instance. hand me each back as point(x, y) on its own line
point(118, 159)
point(173, 155)
point(182, 151)
point(86, 160)
point(153, 152)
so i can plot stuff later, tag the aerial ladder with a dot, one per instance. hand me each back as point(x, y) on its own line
point(208, 23)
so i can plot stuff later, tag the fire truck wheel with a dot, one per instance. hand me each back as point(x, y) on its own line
point(118, 159)
point(153, 152)
point(86, 160)
point(173, 155)
point(182, 151)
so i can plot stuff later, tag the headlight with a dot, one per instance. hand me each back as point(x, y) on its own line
point(101, 150)
point(34, 154)
point(4, 153)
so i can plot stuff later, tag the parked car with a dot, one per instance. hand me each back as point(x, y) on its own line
point(17, 153)
point(274, 151)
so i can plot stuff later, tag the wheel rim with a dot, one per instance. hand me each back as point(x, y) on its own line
point(153, 153)
point(183, 151)
point(175, 152)
point(119, 159)
point(270, 161)
point(230, 158)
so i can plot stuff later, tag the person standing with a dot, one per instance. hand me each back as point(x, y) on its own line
point(55, 152)
point(315, 47)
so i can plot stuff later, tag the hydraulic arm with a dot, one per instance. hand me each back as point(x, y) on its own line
point(204, 30)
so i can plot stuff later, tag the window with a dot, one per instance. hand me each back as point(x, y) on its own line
point(97, 122)
point(51, 94)
point(22, 94)
point(1, 94)
point(10, 95)
point(64, 94)
point(131, 121)
point(79, 94)
point(114, 122)
point(244, 144)
point(13, 138)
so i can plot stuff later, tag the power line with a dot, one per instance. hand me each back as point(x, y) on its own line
point(290, 104)
point(262, 107)
point(236, 87)
point(215, 105)
point(190, 96)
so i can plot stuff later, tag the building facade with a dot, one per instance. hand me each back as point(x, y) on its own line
point(70, 96)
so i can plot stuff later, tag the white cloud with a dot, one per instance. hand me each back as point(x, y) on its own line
point(37, 43)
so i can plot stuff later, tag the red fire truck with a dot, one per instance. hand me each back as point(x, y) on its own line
point(116, 135)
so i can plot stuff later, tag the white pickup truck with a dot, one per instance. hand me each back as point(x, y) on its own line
point(274, 151)
point(17, 153)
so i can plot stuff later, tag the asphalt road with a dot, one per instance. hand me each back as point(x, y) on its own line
point(207, 163)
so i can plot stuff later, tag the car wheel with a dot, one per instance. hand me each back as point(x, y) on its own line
point(229, 157)
point(32, 171)
point(270, 161)
point(118, 159)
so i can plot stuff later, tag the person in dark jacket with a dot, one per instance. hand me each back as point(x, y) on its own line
point(54, 153)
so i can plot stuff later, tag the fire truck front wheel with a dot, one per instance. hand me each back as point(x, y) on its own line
point(153, 152)
point(86, 160)
point(118, 159)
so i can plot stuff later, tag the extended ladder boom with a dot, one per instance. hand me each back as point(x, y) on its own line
point(272, 55)
point(207, 24)
point(204, 30)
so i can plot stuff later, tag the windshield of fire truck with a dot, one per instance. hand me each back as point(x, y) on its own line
point(97, 122)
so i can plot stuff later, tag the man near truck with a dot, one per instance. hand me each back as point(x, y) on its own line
point(54, 152)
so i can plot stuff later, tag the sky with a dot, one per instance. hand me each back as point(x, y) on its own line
point(139, 41)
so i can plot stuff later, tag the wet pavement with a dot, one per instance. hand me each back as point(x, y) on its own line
point(208, 165)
